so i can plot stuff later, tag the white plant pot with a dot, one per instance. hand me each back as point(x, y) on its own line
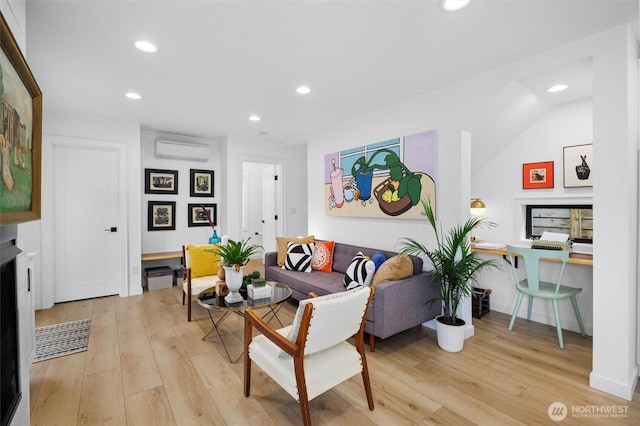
point(450, 337)
point(234, 282)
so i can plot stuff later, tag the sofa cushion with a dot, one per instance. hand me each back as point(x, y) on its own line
point(282, 245)
point(343, 253)
point(303, 284)
point(202, 260)
point(378, 259)
point(360, 272)
point(322, 256)
point(299, 257)
point(393, 269)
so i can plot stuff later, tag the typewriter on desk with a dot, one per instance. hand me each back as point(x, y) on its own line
point(552, 241)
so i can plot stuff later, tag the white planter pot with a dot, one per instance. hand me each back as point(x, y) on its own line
point(234, 282)
point(450, 337)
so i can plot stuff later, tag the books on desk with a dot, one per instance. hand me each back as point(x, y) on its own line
point(490, 246)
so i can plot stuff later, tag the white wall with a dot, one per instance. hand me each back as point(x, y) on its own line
point(60, 123)
point(15, 13)
point(400, 120)
point(162, 241)
point(451, 110)
point(235, 151)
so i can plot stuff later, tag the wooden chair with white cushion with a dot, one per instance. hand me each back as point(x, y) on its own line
point(312, 355)
point(199, 271)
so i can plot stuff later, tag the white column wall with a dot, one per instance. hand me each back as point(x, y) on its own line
point(615, 191)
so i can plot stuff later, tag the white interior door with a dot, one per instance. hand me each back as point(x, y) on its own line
point(269, 208)
point(86, 221)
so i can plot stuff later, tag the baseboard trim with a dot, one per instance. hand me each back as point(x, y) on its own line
point(613, 387)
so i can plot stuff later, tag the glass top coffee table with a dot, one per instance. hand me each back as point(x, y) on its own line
point(209, 300)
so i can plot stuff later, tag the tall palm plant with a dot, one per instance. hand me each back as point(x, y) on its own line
point(455, 265)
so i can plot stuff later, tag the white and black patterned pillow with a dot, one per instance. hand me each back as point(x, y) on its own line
point(360, 272)
point(299, 257)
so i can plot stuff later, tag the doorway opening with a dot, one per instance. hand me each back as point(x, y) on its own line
point(262, 203)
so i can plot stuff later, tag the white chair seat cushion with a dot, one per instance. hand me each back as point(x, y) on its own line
point(323, 370)
point(198, 285)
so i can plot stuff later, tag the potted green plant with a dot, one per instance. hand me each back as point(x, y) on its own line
point(234, 257)
point(455, 267)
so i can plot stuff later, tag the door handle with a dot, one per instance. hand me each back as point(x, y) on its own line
point(112, 229)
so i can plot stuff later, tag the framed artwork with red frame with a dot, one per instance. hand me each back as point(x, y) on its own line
point(537, 175)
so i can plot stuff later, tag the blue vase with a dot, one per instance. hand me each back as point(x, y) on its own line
point(214, 238)
point(363, 182)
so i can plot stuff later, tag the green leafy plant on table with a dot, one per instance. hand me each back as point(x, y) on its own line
point(237, 253)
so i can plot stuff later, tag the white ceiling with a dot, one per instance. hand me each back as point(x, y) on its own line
point(220, 61)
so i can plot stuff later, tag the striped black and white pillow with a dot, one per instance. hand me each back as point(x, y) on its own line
point(299, 257)
point(360, 272)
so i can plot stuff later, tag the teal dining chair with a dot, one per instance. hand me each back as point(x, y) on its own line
point(533, 287)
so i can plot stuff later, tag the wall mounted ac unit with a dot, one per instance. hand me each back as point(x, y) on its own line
point(182, 150)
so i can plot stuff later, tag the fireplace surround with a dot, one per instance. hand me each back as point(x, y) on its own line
point(10, 386)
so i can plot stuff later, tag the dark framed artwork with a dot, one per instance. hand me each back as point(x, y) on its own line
point(578, 165)
point(197, 214)
point(20, 134)
point(161, 216)
point(160, 181)
point(201, 183)
point(537, 175)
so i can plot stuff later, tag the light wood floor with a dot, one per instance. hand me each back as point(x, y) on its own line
point(146, 365)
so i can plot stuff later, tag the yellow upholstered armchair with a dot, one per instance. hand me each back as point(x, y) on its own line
point(313, 355)
point(199, 271)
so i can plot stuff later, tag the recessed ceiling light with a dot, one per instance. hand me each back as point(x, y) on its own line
point(453, 5)
point(303, 90)
point(145, 46)
point(254, 118)
point(557, 88)
point(133, 95)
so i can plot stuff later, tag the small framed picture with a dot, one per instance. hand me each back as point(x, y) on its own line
point(160, 181)
point(537, 175)
point(201, 183)
point(162, 216)
point(578, 165)
point(198, 214)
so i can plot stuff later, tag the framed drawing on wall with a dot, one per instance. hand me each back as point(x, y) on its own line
point(161, 216)
point(578, 165)
point(537, 175)
point(20, 134)
point(200, 214)
point(160, 181)
point(201, 183)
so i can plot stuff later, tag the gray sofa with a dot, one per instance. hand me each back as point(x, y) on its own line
point(397, 305)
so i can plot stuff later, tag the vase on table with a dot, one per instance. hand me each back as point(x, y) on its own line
point(233, 279)
point(214, 238)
